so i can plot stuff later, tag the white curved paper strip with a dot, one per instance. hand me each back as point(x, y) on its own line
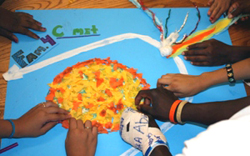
point(16, 73)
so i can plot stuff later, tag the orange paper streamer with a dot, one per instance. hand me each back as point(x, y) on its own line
point(201, 35)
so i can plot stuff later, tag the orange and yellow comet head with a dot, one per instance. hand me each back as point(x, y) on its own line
point(201, 35)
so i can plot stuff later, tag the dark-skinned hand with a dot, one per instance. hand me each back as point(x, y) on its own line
point(208, 53)
point(18, 22)
point(157, 102)
point(239, 7)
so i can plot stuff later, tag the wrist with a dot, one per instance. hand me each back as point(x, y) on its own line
point(13, 127)
point(18, 129)
point(212, 78)
point(155, 144)
point(173, 111)
point(6, 129)
point(231, 55)
point(205, 80)
point(196, 113)
point(160, 151)
point(238, 53)
point(187, 112)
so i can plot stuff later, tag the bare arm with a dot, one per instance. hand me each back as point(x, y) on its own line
point(205, 113)
point(213, 53)
point(6, 129)
point(241, 71)
point(18, 22)
point(37, 121)
point(209, 113)
point(188, 85)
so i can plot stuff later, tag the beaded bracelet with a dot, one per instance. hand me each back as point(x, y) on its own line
point(230, 74)
point(13, 128)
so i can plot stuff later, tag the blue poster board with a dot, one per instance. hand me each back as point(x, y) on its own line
point(93, 25)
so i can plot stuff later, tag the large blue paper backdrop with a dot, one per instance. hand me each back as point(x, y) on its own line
point(25, 93)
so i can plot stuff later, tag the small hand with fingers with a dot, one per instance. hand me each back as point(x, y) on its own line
point(157, 102)
point(81, 138)
point(39, 120)
point(18, 22)
point(208, 53)
point(239, 7)
point(181, 85)
point(217, 8)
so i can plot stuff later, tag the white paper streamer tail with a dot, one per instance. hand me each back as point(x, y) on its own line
point(16, 73)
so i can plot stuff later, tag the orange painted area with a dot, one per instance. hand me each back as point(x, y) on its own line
point(79, 96)
point(99, 81)
point(108, 125)
point(89, 106)
point(101, 99)
point(76, 105)
point(116, 127)
point(60, 99)
point(108, 92)
point(65, 124)
point(116, 83)
point(192, 40)
point(103, 113)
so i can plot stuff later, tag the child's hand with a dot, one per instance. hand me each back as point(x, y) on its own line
point(39, 120)
point(157, 102)
point(81, 138)
point(217, 8)
point(18, 22)
point(182, 85)
point(239, 7)
point(209, 53)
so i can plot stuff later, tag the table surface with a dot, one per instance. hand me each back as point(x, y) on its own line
point(240, 33)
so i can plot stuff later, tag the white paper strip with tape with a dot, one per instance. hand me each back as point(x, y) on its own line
point(16, 73)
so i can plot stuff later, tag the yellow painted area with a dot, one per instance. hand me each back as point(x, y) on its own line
point(201, 35)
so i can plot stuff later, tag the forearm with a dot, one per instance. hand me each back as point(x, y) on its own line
point(209, 113)
point(239, 53)
point(241, 71)
point(5, 129)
